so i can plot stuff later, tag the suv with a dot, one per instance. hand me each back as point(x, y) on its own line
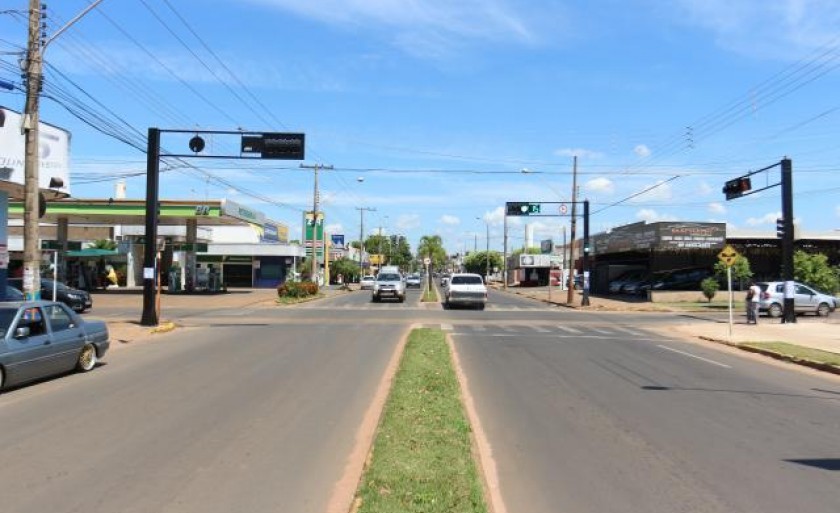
point(805, 299)
point(388, 284)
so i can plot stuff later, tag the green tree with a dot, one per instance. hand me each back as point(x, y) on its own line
point(348, 269)
point(527, 251)
point(741, 271)
point(104, 244)
point(709, 286)
point(431, 246)
point(480, 261)
point(813, 270)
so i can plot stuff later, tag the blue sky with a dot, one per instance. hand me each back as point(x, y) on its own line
point(438, 105)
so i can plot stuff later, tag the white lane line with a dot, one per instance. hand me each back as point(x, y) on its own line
point(539, 329)
point(695, 356)
point(446, 327)
point(510, 329)
point(602, 332)
point(568, 329)
point(479, 328)
point(628, 330)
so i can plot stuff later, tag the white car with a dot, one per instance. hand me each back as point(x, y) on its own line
point(465, 289)
point(388, 285)
point(367, 282)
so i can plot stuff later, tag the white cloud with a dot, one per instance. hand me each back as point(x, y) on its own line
point(334, 228)
point(497, 216)
point(642, 151)
point(652, 216)
point(578, 152)
point(716, 208)
point(425, 28)
point(449, 220)
point(601, 184)
point(407, 222)
point(659, 191)
point(769, 218)
point(764, 29)
point(704, 189)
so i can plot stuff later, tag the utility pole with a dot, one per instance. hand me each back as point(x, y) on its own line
point(34, 79)
point(571, 294)
point(586, 273)
point(362, 211)
point(788, 315)
point(487, 252)
point(36, 44)
point(315, 199)
point(505, 254)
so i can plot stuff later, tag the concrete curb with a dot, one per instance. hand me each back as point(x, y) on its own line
point(825, 367)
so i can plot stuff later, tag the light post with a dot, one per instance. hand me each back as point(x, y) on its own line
point(34, 63)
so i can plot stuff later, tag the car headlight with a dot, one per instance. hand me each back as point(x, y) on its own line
point(72, 295)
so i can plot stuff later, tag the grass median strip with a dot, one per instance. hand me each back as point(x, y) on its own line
point(794, 352)
point(429, 296)
point(422, 456)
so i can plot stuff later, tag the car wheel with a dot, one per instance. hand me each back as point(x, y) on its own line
point(481, 306)
point(775, 310)
point(402, 299)
point(87, 358)
point(823, 310)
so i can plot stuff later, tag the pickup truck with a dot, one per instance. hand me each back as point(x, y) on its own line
point(465, 289)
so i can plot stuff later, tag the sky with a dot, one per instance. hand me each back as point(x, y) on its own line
point(435, 113)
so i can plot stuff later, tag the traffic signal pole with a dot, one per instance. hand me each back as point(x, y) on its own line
point(571, 293)
point(789, 314)
point(150, 264)
point(586, 273)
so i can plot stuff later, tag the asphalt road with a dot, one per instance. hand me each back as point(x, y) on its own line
point(256, 410)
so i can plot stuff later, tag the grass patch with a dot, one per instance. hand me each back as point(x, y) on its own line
point(295, 300)
point(795, 352)
point(429, 296)
point(422, 456)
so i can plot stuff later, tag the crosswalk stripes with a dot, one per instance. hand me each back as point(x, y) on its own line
point(567, 329)
point(539, 329)
point(582, 331)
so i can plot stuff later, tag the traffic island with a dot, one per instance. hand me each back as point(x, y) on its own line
point(809, 357)
point(422, 457)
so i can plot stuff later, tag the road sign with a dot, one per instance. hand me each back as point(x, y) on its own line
point(728, 255)
point(427, 261)
point(564, 209)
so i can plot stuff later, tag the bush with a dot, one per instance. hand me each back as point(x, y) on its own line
point(710, 287)
point(297, 289)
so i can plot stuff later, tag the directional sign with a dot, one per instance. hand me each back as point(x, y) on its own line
point(728, 255)
point(564, 209)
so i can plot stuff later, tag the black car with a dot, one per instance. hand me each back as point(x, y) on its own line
point(77, 300)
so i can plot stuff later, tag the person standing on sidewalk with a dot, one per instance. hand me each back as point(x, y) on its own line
point(753, 298)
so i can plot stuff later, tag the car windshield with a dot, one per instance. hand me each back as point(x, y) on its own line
point(7, 315)
point(466, 280)
point(388, 277)
point(367, 278)
point(48, 284)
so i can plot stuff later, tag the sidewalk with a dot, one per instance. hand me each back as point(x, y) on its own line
point(127, 329)
point(816, 333)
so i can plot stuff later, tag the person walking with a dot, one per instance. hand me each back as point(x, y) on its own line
point(753, 298)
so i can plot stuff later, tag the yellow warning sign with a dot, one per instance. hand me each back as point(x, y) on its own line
point(728, 255)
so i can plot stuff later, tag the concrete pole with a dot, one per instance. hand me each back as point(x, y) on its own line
point(31, 234)
point(571, 293)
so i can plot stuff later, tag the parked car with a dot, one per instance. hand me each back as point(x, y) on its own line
point(13, 294)
point(78, 300)
point(413, 280)
point(390, 285)
point(465, 289)
point(367, 282)
point(685, 279)
point(616, 286)
point(805, 299)
point(44, 338)
point(444, 278)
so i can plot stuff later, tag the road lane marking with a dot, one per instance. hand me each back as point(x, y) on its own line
point(568, 329)
point(602, 332)
point(446, 327)
point(479, 328)
point(695, 356)
point(635, 333)
point(540, 330)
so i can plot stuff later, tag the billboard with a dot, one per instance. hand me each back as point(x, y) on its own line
point(543, 261)
point(660, 236)
point(53, 151)
point(319, 233)
point(337, 240)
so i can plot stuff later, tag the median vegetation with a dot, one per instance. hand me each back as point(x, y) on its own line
point(296, 291)
point(795, 353)
point(429, 295)
point(422, 456)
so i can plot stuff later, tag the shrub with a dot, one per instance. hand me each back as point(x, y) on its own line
point(710, 287)
point(297, 289)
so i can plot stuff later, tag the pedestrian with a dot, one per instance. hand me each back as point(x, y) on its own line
point(753, 298)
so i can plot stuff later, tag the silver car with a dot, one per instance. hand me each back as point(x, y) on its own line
point(805, 299)
point(390, 285)
point(43, 338)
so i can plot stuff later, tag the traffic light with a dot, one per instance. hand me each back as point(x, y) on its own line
point(522, 209)
point(780, 228)
point(737, 187)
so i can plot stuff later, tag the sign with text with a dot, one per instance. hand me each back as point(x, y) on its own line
point(280, 146)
